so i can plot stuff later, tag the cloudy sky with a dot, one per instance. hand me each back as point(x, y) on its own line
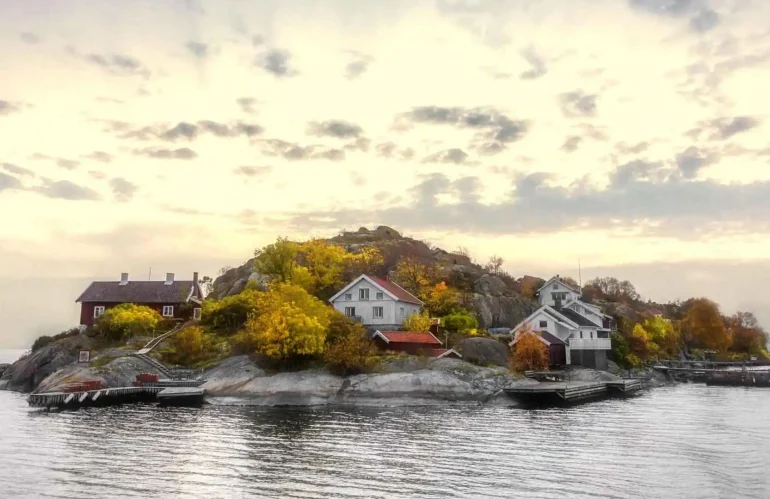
point(180, 135)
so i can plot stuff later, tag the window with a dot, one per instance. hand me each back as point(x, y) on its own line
point(377, 312)
point(402, 312)
point(98, 312)
point(348, 296)
point(168, 311)
point(591, 334)
point(543, 323)
point(555, 286)
point(581, 335)
point(197, 314)
point(350, 311)
point(379, 296)
point(363, 294)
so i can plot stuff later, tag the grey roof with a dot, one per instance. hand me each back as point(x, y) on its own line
point(137, 292)
point(577, 318)
point(553, 340)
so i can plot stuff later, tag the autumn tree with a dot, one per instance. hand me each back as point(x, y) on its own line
point(414, 276)
point(494, 264)
point(441, 300)
point(325, 263)
point(348, 347)
point(530, 285)
point(229, 314)
point(126, 320)
point(747, 335)
point(417, 322)
point(188, 346)
point(368, 260)
point(277, 260)
point(529, 353)
point(460, 321)
point(289, 324)
point(703, 326)
point(610, 288)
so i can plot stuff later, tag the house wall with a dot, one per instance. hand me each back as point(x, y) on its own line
point(594, 359)
point(555, 287)
point(410, 348)
point(551, 326)
point(391, 315)
point(181, 310)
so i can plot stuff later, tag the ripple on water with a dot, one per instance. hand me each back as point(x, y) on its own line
point(686, 441)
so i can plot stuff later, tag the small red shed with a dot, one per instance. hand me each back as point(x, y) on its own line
point(412, 343)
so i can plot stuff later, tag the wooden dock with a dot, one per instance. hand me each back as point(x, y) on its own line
point(147, 392)
point(570, 391)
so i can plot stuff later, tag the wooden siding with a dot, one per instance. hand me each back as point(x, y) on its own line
point(182, 311)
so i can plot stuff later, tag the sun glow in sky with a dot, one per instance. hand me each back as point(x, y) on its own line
point(629, 134)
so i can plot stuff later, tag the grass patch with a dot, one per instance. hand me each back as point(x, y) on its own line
point(101, 362)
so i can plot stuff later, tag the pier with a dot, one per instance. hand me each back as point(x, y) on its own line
point(554, 388)
point(188, 391)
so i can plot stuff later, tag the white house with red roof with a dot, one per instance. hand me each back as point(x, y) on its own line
point(376, 303)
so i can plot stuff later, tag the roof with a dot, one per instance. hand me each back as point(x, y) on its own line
point(443, 352)
point(391, 288)
point(577, 318)
point(553, 340)
point(408, 337)
point(556, 278)
point(137, 292)
point(554, 314)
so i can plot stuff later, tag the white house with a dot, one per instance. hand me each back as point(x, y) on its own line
point(376, 303)
point(581, 327)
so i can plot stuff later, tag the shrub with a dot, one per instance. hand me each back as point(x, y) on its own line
point(351, 354)
point(460, 321)
point(189, 346)
point(41, 342)
point(230, 313)
point(417, 322)
point(45, 340)
point(529, 353)
point(127, 320)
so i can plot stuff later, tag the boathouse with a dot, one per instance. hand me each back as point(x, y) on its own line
point(424, 344)
point(171, 298)
point(563, 318)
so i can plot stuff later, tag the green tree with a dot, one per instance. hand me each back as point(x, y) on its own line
point(460, 322)
point(126, 320)
point(277, 260)
point(417, 322)
point(230, 313)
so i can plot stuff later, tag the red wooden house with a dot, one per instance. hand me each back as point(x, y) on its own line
point(172, 299)
point(412, 343)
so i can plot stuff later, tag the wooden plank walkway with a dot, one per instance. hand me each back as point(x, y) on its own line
point(111, 396)
point(574, 390)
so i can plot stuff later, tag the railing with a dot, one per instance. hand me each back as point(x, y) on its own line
point(590, 343)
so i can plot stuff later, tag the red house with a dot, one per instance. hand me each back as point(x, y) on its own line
point(171, 298)
point(412, 343)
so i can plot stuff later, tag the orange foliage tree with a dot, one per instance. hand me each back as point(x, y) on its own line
point(529, 353)
point(703, 326)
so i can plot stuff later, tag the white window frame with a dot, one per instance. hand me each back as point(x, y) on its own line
point(363, 294)
point(98, 311)
point(403, 312)
point(197, 313)
point(379, 295)
point(348, 296)
point(166, 309)
point(350, 311)
point(381, 311)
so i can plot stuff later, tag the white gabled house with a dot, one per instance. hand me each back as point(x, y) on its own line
point(376, 303)
point(576, 332)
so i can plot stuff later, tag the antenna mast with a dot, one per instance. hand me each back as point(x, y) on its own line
point(149, 277)
point(580, 276)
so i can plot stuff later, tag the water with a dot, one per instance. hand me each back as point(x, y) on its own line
point(688, 441)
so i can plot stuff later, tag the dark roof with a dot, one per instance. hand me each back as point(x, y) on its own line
point(553, 340)
point(136, 292)
point(410, 337)
point(576, 317)
point(396, 290)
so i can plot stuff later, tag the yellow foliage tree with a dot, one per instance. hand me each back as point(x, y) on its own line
point(348, 348)
point(277, 260)
point(289, 323)
point(414, 276)
point(189, 345)
point(128, 319)
point(442, 300)
point(325, 263)
point(368, 260)
point(704, 326)
point(529, 353)
point(417, 322)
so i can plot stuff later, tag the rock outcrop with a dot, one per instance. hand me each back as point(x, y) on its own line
point(27, 373)
point(235, 280)
point(118, 373)
point(484, 352)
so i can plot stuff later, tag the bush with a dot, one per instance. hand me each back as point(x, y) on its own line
point(460, 321)
point(417, 322)
point(352, 354)
point(529, 353)
point(41, 342)
point(46, 340)
point(230, 313)
point(127, 320)
point(189, 346)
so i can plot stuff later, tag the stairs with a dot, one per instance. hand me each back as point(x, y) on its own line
point(143, 354)
point(154, 363)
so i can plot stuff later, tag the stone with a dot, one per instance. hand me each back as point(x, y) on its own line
point(484, 352)
point(501, 311)
point(490, 285)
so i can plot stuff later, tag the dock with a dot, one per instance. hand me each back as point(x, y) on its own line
point(739, 378)
point(572, 391)
point(144, 392)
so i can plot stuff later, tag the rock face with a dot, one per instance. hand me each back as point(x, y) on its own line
point(26, 374)
point(3, 367)
point(501, 311)
point(118, 373)
point(484, 352)
point(235, 280)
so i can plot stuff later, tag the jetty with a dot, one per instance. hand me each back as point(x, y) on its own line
point(554, 386)
point(747, 373)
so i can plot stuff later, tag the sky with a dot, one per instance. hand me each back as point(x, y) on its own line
point(142, 136)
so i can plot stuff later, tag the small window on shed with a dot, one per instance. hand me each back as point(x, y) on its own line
point(543, 323)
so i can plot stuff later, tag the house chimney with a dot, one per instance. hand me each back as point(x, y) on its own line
point(169, 279)
point(195, 278)
point(124, 278)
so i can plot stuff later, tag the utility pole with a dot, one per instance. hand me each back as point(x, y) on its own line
point(149, 277)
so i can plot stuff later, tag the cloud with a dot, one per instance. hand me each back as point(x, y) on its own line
point(68, 164)
point(16, 170)
point(64, 189)
point(8, 182)
point(571, 144)
point(391, 150)
point(454, 155)
point(625, 148)
point(276, 62)
point(360, 144)
point(704, 21)
point(295, 152)
point(29, 38)
point(253, 171)
point(692, 160)
point(578, 104)
point(122, 189)
point(334, 128)
point(198, 49)
point(184, 130)
point(358, 66)
point(247, 105)
point(494, 130)
point(724, 128)
point(117, 64)
point(161, 153)
point(538, 68)
point(7, 107)
point(99, 156)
